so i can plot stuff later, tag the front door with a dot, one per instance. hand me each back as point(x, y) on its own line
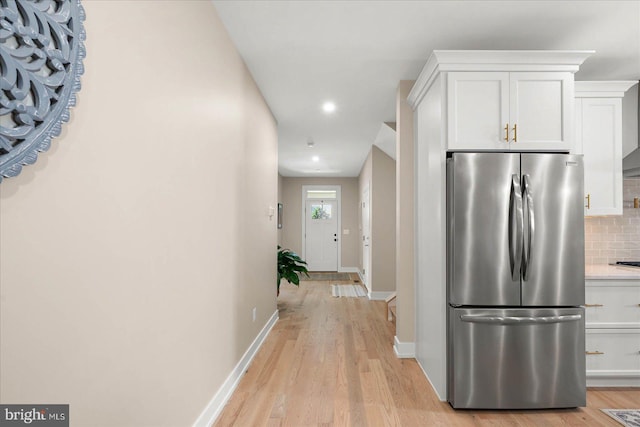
point(321, 229)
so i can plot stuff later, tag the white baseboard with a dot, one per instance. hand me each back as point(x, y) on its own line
point(379, 295)
point(348, 270)
point(362, 279)
point(215, 406)
point(613, 379)
point(404, 350)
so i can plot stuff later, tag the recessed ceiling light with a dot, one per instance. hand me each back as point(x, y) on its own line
point(328, 107)
point(315, 158)
point(310, 143)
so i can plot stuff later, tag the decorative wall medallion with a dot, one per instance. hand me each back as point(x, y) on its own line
point(41, 53)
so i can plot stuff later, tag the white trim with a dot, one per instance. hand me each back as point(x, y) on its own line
point(605, 327)
point(362, 279)
point(602, 89)
point(220, 399)
point(348, 270)
point(613, 379)
point(379, 295)
point(493, 60)
point(404, 350)
point(338, 189)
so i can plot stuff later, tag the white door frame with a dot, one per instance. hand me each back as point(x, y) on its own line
point(366, 261)
point(338, 190)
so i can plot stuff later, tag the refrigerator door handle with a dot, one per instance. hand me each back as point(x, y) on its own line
point(528, 198)
point(516, 320)
point(516, 227)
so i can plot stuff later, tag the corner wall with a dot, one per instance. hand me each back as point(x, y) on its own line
point(133, 252)
point(379, 170)
point(405, 277)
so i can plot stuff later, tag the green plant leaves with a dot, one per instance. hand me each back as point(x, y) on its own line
point(289, 265)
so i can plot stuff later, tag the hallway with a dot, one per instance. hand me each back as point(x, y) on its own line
point(330, 362)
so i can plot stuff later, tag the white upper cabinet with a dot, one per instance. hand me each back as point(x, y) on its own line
point(598, 109)
point(500, 100)
point(478, 110)
point(510, 111)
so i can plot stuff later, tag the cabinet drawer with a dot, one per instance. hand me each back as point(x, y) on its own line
point(612, 306)
point(613, 350)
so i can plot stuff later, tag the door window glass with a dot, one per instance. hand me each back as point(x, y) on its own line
point(320, 211)
point(322, 194)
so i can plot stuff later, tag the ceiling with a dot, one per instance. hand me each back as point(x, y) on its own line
point(303, 53)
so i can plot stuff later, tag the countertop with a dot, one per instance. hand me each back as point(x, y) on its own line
point(603, 271)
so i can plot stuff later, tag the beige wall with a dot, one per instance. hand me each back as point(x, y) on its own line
point(292, 224)
point(405, 280)
point(379, 171)
point(135, 249)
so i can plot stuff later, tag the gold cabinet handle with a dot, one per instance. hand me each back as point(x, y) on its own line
point(593, 353)
point(588, 205)
point(515, 133)
point(506, 132)
point(595, 305)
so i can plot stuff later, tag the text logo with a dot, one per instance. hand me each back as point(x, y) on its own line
point(34, 415)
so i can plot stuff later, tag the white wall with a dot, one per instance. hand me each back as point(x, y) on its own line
point(134, 250)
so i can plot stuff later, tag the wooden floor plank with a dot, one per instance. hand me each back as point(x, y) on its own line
point(330, 362)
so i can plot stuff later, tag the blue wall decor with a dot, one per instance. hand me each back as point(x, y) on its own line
point(41, 53)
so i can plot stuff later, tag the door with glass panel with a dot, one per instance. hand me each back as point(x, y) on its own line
point(321, 230)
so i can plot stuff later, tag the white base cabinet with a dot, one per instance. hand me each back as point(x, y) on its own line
point(612, 311)
point(599, 137)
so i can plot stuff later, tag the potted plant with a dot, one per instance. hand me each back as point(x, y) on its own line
point(289, 265)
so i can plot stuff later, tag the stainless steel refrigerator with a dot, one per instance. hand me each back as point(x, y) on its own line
point(515, 281)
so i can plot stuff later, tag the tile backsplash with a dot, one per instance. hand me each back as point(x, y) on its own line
point(615, 238)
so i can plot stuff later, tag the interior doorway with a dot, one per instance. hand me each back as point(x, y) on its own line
point(321, 220)
point(366, 237)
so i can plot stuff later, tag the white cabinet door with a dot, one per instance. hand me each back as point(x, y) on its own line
point(613, 305)
point(600, 132)
point(477, 110)
point(510, 111)
point(541, 111)
point(613, 353)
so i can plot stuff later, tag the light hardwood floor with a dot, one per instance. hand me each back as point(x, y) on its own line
point(330, 362)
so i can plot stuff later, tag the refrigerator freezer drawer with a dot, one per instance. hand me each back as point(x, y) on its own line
point(516, 358)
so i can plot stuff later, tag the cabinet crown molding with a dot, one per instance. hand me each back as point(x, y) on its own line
point(603, 89)
point(494, 60)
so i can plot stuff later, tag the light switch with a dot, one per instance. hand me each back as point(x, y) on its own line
point(345, 231)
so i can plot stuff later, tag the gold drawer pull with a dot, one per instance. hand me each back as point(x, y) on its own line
point(597, 305)
point(592, 353)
